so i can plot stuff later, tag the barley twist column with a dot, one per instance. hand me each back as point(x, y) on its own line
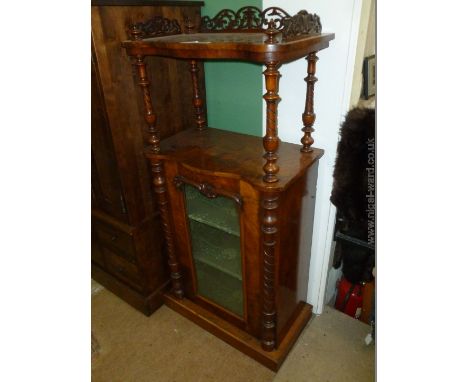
point(159, 183)
point(159, 180)
point(270, 140)
point(269, 231)
point(308, 117)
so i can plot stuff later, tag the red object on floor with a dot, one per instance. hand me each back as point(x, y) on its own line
point(349, 298)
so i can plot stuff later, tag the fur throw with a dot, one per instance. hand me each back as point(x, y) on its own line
point(350, 185)
point(350, 174)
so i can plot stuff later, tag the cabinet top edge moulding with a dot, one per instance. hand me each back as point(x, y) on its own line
point(249, 34)
point(196, 149)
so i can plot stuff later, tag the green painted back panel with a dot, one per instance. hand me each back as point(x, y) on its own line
point(233, 89)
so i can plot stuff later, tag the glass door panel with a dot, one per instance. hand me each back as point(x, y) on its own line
point(214, 228)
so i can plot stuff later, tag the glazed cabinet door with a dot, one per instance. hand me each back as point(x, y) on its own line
point(214, 229)
point(208, 215)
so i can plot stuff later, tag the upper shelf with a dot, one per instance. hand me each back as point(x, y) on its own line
point(241, 46)
point(249, 34)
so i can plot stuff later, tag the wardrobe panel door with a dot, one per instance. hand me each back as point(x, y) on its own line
point(105, 179)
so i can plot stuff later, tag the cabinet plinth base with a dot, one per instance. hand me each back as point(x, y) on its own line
point(236, 337)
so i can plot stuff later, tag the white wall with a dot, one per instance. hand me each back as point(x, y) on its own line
point(363, 38)
point(370, 41)
point(332, 98)
point(365, 29)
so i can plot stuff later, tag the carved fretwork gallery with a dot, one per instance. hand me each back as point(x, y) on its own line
point(236, 209)
point(253, 19)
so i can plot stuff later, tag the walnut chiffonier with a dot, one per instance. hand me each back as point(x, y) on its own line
point(236, 209)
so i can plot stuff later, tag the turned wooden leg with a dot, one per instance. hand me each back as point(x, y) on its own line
point(271, 140)
point(308, 117)
point(159, 180)
point(269, 231)
point(153, 133)
point(197, 100)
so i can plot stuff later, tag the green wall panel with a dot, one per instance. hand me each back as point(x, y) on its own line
point(233, 89)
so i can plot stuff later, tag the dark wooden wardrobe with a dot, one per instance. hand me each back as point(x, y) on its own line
point(127, 254)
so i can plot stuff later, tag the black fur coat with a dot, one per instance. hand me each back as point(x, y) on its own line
point(350, 187)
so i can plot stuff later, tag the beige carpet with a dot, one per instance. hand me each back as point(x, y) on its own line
point(166, 347)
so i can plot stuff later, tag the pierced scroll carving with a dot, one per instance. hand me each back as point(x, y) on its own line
point(253, 19)
point(206, 189)
point(269, 230)
point(246, 19)
point(154, 27)
point(302, 23)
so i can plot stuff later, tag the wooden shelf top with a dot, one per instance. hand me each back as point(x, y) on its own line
point(240, 46)
point(235, 155)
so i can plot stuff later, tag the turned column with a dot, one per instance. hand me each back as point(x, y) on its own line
point(197, 100)
point(159, 179)
point(159, 182)
point(269, 234)
point(271, 140)
point(189, 28)
point(308, 117)
point(153, 138)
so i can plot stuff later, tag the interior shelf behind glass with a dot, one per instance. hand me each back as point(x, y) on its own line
point(220, 287)
point(219, 212)
point(216, 248)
